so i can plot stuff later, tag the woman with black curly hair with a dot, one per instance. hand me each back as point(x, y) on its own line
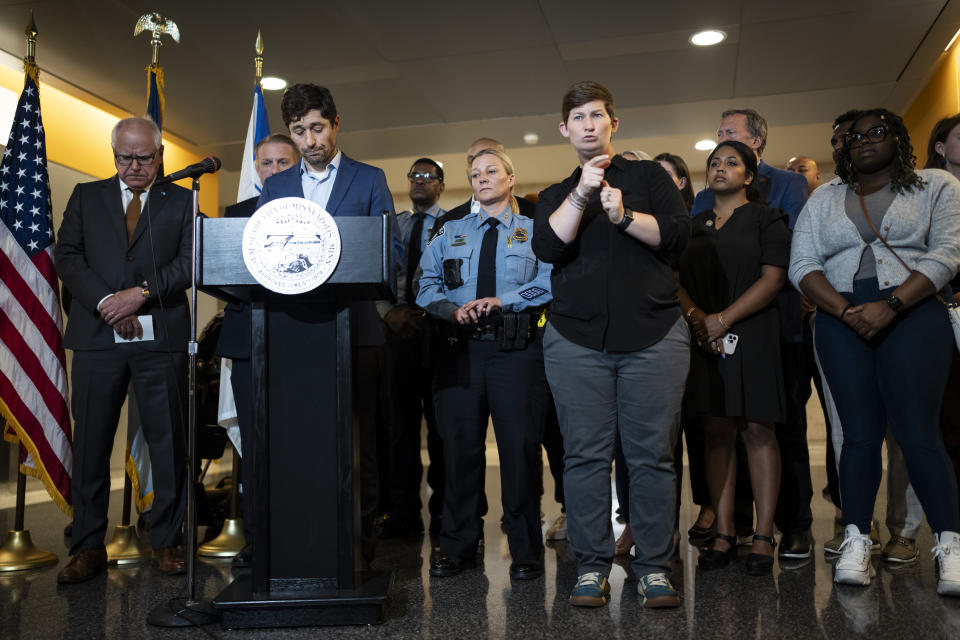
point(871, 252)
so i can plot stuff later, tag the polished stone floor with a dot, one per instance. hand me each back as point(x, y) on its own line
point(796, 602)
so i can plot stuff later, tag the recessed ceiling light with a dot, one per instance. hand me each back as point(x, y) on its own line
point(708, 37)
point(531, 138)
point(705, 145)
point(271, 83)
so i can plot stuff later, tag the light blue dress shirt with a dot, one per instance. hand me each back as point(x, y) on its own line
point(318, 186)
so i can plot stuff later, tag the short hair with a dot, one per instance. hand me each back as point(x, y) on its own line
point(147, 122)
point(846, 116)
point(904, 178)
point(756, 125)
point(507, 166)
point(580, 93)
point(682, 171)
point(749, 159)
point(640, 155)
point(939, 134)
point(436, 165)
point(300, 99)
point(276, 138)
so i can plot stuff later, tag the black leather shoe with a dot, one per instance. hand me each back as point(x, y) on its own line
point(525, 571)
point(797, 544)
point(711, 559)
point(701, 536)
point(758, 564)
point(398, 526)
point(446, 566)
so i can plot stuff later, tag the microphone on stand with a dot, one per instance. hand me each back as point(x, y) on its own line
point(210, 164)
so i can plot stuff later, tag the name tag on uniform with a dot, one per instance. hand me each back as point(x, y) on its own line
point(532, 292)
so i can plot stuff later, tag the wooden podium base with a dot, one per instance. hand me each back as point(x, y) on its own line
point(364, 605)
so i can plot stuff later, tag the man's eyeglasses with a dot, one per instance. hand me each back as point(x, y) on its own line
point(873, 134)
point(124, 159)
point(426, 177)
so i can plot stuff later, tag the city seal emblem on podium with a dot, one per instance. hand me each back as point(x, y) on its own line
point(291, 245)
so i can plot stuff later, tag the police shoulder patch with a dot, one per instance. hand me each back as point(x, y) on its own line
point(532, 292)
point(439, 233)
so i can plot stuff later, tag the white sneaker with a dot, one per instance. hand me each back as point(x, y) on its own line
point(946, 554)
point(558, 530)
point(854, 566)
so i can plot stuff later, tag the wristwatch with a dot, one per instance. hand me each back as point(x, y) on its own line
point(145, 292)
point(627, 219)
point(894, 303)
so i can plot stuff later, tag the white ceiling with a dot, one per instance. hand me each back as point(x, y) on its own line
point(414, 79)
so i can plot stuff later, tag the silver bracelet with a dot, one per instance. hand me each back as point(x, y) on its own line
point(577, 200)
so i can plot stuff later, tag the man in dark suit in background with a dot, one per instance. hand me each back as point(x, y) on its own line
point(344, 187)
point(273, 154)
point(124, 253)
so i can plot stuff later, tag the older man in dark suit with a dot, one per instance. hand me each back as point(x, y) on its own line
point(124, 254)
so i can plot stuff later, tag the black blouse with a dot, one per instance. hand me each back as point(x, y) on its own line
point(612, 292)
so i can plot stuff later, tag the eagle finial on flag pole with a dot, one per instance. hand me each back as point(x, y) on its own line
point(158, 26)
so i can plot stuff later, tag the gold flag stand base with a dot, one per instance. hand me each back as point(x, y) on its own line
point(18, 553)
point(126, 547)
point(228, 543)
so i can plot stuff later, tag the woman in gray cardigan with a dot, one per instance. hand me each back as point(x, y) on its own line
point(872, 251)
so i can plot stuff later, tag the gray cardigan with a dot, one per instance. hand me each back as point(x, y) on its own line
point(923, 226)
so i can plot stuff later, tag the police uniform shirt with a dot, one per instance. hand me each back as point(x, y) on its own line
point(451, 260)
point(405, 221)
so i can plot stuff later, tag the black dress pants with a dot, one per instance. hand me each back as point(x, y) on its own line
point(475, 381)
point(100, 380)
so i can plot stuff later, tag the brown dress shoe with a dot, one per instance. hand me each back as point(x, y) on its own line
point(170, 561)
point(85, 564)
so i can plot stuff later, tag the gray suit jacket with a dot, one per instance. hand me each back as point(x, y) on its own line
point(94, 259)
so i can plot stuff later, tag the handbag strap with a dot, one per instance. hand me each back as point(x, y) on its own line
point(866, 214)
point(863, 205)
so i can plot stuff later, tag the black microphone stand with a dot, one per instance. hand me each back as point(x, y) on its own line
point(190, 611)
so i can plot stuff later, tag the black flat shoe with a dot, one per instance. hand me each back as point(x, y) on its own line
point(711, 559)
point(701, 536)
point(758, 564)
point(525, 571)
point(446, 566)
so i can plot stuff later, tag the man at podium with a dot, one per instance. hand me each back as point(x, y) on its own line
point(344, 187)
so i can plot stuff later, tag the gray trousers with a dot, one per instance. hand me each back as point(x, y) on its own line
point(639, 392)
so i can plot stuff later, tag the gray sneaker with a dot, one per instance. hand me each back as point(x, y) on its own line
point(558, 530)
point(900, 549)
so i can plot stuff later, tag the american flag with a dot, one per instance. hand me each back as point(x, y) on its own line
point(33, 373)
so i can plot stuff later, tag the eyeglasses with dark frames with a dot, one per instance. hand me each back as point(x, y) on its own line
point(872, 135)
point(125, 160)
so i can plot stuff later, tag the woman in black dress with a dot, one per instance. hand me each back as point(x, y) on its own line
point(730, 273)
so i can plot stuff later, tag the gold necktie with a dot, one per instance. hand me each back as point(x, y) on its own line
point(133, 212)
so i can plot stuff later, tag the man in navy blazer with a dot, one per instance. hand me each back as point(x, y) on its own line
point(788, 192)
point(344, 187)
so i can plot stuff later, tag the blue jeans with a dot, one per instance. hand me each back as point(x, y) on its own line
point(898, 377)
point(640, 392)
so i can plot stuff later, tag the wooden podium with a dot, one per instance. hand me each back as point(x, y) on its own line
point(306, 568)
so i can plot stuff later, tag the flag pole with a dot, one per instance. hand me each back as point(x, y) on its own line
point(18, 552)
point(231, 540)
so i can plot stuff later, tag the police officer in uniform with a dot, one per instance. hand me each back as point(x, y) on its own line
point(479, 274)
